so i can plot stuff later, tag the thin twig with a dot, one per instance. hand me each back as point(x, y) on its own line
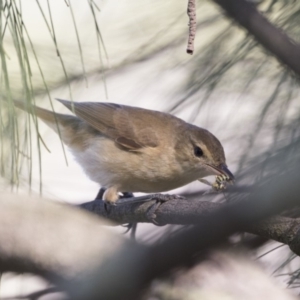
point(191, 11)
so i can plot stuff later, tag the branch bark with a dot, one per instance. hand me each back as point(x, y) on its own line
point(186, 212)
point(270, 37)
point(71, 247)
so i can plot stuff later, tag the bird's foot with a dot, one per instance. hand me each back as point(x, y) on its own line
point(130, 227)
point(160, 198)
point(128, 198)
point(99, 196)
point(107, 205)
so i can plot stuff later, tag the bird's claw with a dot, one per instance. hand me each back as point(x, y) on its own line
point(160, 198)
point(128, 227)
point(151, 213)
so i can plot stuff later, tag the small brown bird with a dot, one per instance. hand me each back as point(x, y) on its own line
point(130, 149)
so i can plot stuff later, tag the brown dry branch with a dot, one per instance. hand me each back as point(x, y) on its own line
point(191, 11)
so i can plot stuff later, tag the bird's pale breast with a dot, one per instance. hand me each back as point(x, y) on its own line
point(149, 171)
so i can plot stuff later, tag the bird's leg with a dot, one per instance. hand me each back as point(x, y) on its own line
point(100, 197)
point(100, 194)
point(112, 198)
point(130, 226)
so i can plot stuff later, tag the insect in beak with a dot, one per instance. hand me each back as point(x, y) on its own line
point(225, 177)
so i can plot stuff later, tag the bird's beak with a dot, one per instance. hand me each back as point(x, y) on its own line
point(222, 168)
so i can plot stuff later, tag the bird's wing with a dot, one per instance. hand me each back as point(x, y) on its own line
point(119, 123)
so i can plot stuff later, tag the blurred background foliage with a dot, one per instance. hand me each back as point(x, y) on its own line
point(133, 52)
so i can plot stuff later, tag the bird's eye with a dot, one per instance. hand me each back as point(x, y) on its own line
point(198, 151)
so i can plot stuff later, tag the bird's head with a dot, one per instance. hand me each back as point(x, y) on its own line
point(202, 153)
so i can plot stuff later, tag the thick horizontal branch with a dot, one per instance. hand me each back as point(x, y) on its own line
point(176, 211)
point(270, 37)
point(186, 212)
point(68, 246)
point(71, 246)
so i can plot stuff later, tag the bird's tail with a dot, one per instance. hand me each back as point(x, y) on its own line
point(64, 125)
point(47, 116)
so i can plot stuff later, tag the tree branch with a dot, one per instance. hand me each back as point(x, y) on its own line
point(191, 11)
point(71, 247)
point(270, 37)
point(186, 212)
point(68, 246)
